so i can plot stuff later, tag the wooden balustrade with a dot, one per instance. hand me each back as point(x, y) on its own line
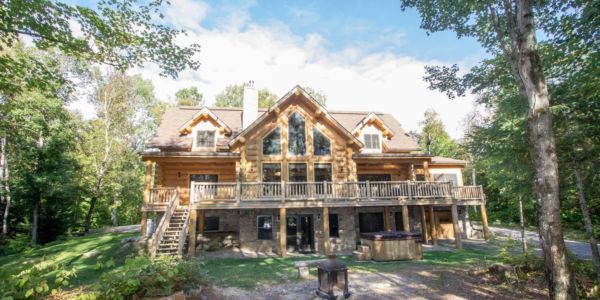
point(161, 195)
point(232, 192)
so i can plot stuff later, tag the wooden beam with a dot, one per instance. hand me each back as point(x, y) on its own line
point(192, 233)
point(282, 232)
point(387, 225)
point(146, 198)
point(484, 223)
point(456, 228)
point(432, 228)
point(423, 224)
point(405, 222)
point(201, 221)
point(426, 171)
point(326, 242)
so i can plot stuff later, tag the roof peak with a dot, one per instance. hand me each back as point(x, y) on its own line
point(354, 112)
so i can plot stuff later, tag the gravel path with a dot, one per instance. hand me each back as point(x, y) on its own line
point(580, 249)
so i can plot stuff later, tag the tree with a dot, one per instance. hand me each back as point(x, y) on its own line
point(189, 97)
point(319, 96)
point(122, 35)
point(233, 96)
point(433, 137)
point(508, 30)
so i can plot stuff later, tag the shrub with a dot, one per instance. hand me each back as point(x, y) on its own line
point(29, 282)
point(143, 277)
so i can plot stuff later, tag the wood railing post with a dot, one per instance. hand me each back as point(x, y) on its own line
point(484, 222)
point(326, 242)
point(368, 190)
point(192, 233)
point(238, 192)
point(405, 221)
point(432, 229)
point(283, 187)
point(456, 228)
point(282, 232)
point(423, 224)
point(409, 192)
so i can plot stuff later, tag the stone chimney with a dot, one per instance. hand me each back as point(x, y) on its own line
point(250, 103)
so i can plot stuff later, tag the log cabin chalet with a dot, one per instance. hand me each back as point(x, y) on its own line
point(295, 177)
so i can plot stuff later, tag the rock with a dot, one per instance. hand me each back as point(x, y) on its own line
point(91, 254)
point(505, 270)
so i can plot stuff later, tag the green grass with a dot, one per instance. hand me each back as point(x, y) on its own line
point(69, 253)
point(251, 272)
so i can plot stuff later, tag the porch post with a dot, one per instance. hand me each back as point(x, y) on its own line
point(326, 242)
point(405, 223)
point(387, 224)
point(456, 228)
point(146, 198)
point(484, 223)
point(423, 224)
point(432, 229)
point(192, 233)
point(282, 232)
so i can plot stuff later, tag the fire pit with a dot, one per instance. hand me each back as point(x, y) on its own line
point(332, 274)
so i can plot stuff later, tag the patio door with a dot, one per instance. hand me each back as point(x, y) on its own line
point(300, 233)
point(203, 191)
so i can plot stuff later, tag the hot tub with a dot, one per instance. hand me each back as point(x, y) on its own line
point(393, 245)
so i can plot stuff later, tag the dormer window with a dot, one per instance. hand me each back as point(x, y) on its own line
point(372, 141)
point(205, 139)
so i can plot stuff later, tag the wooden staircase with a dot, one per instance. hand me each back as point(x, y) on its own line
point(174, 233)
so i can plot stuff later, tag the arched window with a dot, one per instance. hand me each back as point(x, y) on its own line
point(296, 134)
point(321, 144)
point(272, 142)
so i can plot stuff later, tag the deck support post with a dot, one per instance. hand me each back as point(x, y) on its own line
point(201, 221)
point(326, 242)
point(146, 198)
point(484, 223)
point(387, 224)
point(192, 233)
point(423, 224)
point(456, 228)
point(405, 222)
point(282, 232)
point(432, 229)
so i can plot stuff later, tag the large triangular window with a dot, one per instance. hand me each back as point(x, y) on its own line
point(321, 144)
point(296, 134)
point(272, 143)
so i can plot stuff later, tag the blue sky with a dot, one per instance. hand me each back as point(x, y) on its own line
point(364, 55)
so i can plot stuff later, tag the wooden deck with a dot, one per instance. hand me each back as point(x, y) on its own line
point(245, 195)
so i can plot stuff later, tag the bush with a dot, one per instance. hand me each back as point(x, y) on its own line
point(143, 277)
point(29, 282)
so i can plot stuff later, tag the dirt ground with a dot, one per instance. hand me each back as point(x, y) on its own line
point(411, 282)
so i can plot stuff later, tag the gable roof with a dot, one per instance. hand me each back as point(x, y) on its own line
point(204, 112)
point(297, 90)
point(373, 118)
point(167, 136)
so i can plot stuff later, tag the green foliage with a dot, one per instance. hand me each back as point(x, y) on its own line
point(143, 277)
point(319, 96)
point(434, 139)
point(189, 97)
point(233, 96)
point(124, 35)
point(29, 280)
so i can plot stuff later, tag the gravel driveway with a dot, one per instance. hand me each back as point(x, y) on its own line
point(580, 249)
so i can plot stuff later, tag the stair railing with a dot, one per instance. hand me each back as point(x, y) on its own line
point(164, 223)
point(184, 231)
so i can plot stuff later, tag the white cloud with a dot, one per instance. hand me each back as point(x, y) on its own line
point(277, 59)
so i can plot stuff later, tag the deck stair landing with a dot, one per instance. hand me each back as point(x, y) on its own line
point(169, 244)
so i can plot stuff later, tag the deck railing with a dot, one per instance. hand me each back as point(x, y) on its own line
point(232, 192)
point(161, 195)
point(164, 222)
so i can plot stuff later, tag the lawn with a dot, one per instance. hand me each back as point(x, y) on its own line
point(251, 272)
point(70, 254)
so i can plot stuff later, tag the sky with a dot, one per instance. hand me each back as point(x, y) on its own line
point(364, 55)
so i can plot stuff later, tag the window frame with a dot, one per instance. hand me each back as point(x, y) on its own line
point(289, 164)
point(289, 152)
point(278, 127)
point(371, 135)
point(197, 140)
point(262, 169)
point(206, 228)
point(315, 131)
point(334, 231)
point(258, 236)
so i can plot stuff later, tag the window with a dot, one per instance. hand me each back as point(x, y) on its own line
point(446, 177)
point(271, 172)
point(334, 226)
point(370, 222)
point(322, 172)
point(371, 141)
point(211, 224)
point(297, 172)
point(321, 144)
point(420, 177)
point(296, 134)
point(374, 177)
point(272, 142)
point(205, 138)
point(264, 226)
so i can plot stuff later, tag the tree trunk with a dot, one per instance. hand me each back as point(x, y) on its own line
point(587, 220)
point(543, 153)
point(35, 221)
point(522, 221)
point(5, 186)
point(113, 211)
point(88, 216)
